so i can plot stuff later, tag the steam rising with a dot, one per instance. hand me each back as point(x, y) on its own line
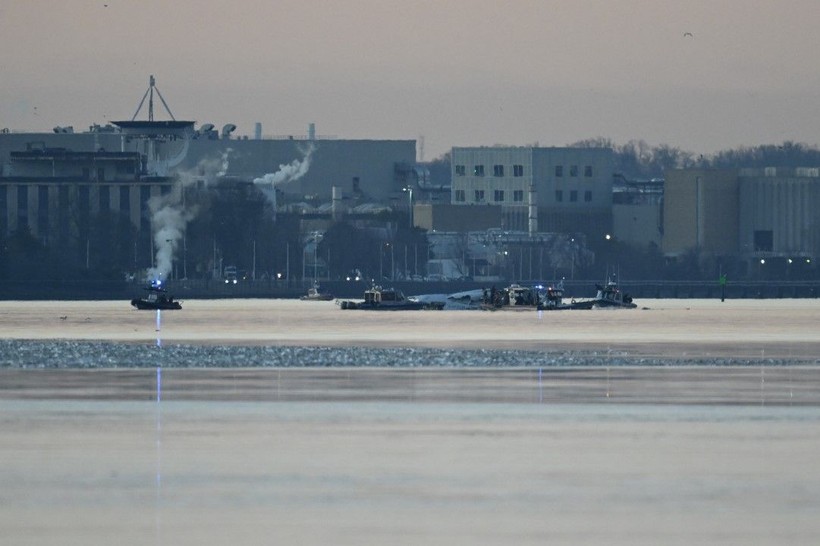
point(294, 170)
point(170, 215)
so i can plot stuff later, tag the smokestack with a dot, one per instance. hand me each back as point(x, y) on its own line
point(257, 133)
point(312, 131)
point(533, 212)
point(336, 207)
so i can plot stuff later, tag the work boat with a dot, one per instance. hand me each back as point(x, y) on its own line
point(515, 297)
point(315, 294)
point(552, 299)
point(156, 298)
point(609, 296)
point(387, 299)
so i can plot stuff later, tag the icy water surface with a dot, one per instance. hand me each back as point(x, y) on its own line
point(385, 470)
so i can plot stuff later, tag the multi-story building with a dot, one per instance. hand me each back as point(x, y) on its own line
point(539, 189)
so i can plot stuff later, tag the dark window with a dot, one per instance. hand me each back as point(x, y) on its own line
point(100, 174)
point(573, 170)
point(559, 171)
point(83, 194)
point(518, 196)
point(588, 171)
point(498, 195)
point(145, 214)
point(42, 212)
point(165, 189)
point(498, 170)
point(588, 196)
point(125, 200)
point(764, 241)
point(573, 196)
point(62, 214)
point(105, 198)
point(460, 197)
point(22, 207)
point(461, 170)
point(479, 195)
point(559, 195)
point(518, 170)
point(478, 170)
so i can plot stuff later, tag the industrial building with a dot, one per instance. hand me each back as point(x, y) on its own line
point(766, 217)
point(43, 175)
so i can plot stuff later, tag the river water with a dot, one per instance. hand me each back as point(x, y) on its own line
point(348, 457)
point(599, 455)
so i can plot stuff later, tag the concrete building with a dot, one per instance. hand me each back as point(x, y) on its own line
point(539, 189)
point(779, 212)
point(756, 215)
point(700, 211)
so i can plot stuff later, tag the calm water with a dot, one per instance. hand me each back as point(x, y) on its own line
point(114, 465)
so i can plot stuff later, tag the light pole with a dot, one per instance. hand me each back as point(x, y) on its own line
point(409, 191)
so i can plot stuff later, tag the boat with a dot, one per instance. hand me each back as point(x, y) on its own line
point(315, 294)
point(514, 297)
point(377, 298)
point(552, 299)
point(156, 298)
point(609, 296)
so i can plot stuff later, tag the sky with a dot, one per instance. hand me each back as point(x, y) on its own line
point(701, 75)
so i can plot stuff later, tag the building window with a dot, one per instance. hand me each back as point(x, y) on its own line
point(764, 241)
point(559, 171)
point(573, 196)
point(460, 197)
point(588, 171)
point(518, 196)
point(125, 200)
point(498, 195)
point(573, 170)
point(460, 170)
point(478, 170)
point(22, 207)
point(479, 196)
point(105, 198)
point(559, 195)
point(518, 170)
point(42, 212)
point(498, 170)
point(588, 196)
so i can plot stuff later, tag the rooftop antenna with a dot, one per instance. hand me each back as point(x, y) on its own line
point(150, 94)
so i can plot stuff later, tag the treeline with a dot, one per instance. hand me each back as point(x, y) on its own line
point(638, 160)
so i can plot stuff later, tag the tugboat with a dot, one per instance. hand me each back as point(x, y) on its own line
point(156, 298)
point(387, 299)
point(315, 294)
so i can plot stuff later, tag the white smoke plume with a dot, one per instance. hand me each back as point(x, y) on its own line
point(294, 170)
point(170, 215)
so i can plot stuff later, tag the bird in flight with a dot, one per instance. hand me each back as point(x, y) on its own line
point(689, 34)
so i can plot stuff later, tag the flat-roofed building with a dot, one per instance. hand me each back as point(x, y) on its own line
point(539, 189)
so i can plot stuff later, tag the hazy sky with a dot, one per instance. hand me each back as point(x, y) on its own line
point(458, 72)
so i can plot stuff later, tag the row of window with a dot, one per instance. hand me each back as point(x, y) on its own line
point(518, 196)
point(518, 170)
